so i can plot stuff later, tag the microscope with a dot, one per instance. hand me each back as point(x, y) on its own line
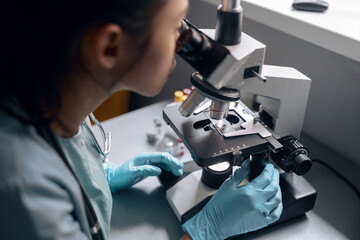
point(221, 131)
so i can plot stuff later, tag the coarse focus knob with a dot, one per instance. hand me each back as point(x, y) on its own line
point(293, 157)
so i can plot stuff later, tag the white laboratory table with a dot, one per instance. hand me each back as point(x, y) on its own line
point(142, 212)
point(337, 29)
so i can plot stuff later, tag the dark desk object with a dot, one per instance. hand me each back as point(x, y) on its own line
point(310, 5)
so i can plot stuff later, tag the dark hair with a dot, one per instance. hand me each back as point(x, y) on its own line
point(39, 38)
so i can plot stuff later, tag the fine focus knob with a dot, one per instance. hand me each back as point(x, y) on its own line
point(301, 164)
point(293, 157)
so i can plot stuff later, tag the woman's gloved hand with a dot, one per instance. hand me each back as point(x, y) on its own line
point(236, 210)
point(125, 175)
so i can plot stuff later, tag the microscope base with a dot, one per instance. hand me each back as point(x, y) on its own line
point(187, 194)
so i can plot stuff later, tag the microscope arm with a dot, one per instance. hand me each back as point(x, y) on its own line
point(283, 96)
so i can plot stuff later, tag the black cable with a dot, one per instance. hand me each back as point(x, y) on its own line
point(353, 187)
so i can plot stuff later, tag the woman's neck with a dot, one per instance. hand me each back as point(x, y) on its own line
point(79, 98)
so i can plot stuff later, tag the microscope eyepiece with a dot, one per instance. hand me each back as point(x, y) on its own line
point(230, 5)
point(229, 22)
point(190, 41)
point(200, 51)
point(193, 44)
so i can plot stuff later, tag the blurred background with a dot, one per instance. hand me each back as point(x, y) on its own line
point(332, 116)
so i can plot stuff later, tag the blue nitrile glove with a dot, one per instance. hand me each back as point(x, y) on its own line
point(236, 210)
point(125, 175)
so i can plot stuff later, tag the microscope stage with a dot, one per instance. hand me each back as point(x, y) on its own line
point(207, 144)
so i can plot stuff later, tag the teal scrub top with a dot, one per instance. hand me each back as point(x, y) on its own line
point(87, 165)
point(39, 196)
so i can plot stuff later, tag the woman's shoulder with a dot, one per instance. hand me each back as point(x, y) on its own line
point(33, 181)
point(26, 157)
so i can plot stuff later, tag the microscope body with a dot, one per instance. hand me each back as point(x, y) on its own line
point(217, 127)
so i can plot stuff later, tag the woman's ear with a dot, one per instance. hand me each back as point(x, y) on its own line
point(101, 47)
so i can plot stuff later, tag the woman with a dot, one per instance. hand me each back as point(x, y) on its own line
point(60, 61)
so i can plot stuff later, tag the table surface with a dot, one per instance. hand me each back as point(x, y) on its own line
point(142, 212)
point(337, 29)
